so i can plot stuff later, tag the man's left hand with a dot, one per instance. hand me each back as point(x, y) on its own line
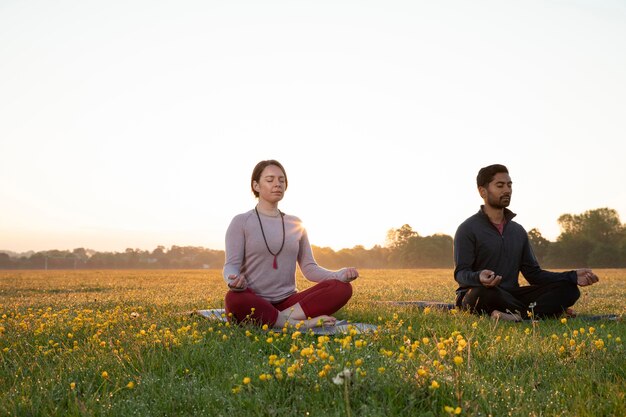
point(586, 277)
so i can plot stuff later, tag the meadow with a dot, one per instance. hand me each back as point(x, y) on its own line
point(118, 343)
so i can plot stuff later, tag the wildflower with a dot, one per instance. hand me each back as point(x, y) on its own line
point(591, 330)
point(130, 385)
point(265, 327)
point(434, 384)
point(105, 374)
point(443, 353)
point(474, 325)
point(458, 360)
point(358, 362)
point(618, 340)
point(452, 410)
point(427, 310)
point(72, 385)
point(246, 380)
point(599, 343)
point(342, 376)
point(564, 320)
point(236, 389)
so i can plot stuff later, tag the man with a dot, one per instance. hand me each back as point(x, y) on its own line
point(490, 250)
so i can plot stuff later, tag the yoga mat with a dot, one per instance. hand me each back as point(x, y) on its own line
point(341, 327)
point(450, 306)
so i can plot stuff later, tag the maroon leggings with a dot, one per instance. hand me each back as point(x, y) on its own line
point(324, 298)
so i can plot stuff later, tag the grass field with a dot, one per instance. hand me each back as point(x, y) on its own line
point(114, 343)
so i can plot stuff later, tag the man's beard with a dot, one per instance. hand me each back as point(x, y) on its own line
point(500, 203)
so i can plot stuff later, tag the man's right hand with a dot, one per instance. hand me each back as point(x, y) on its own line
point(489, 278)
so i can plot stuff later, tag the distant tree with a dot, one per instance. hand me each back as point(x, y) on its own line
point(399, 237)
point(539, 244)
point(590, 239)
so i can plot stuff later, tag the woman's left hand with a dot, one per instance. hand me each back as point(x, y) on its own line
point(349, 274)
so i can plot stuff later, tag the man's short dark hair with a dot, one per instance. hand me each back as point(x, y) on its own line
point(486, 174)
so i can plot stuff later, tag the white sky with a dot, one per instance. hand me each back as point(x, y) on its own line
point(137, 123)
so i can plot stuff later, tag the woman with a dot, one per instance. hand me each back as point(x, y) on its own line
point(262, 248)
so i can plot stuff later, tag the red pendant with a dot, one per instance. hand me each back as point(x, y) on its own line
point(275, 265)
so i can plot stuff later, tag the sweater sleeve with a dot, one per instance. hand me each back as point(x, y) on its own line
point(235, 247)
point(310, 269)
point(464, 257)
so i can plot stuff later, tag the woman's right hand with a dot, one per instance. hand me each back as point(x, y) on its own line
point(237, 282)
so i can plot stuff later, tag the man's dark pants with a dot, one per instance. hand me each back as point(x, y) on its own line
point(550, 300)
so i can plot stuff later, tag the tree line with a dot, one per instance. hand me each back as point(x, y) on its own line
point(595, 239)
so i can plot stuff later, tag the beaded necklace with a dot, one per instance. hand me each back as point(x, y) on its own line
point(282, 218)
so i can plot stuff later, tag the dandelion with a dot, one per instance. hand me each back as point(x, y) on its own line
point(130, 385)
point(73, 385)
point(564, 320)
point(434, 385)
point(105, 375)
point(599, 343)
point(342, 376)
point(618, 340)
point(458, 360)
point(236, 389)
point(381, 370)
point(246, 380)
point(452, 410)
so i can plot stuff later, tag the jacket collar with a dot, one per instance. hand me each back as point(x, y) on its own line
point(508, 214)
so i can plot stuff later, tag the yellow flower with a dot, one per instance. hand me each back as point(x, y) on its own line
point(434, 385)
point(458, 360)
point(130, 385)
point(381, 370)
point(73, 385)
point(246, 381)
point(269, 339)
point(452, 410)
point(563, 320)
point(105, 374)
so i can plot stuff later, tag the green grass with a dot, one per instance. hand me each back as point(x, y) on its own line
point(60, 330)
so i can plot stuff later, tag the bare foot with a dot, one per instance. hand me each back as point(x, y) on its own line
point(320, 321)
point(499, 315)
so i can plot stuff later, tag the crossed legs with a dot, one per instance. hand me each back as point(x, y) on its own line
point(312, 306)
point(550, 300)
